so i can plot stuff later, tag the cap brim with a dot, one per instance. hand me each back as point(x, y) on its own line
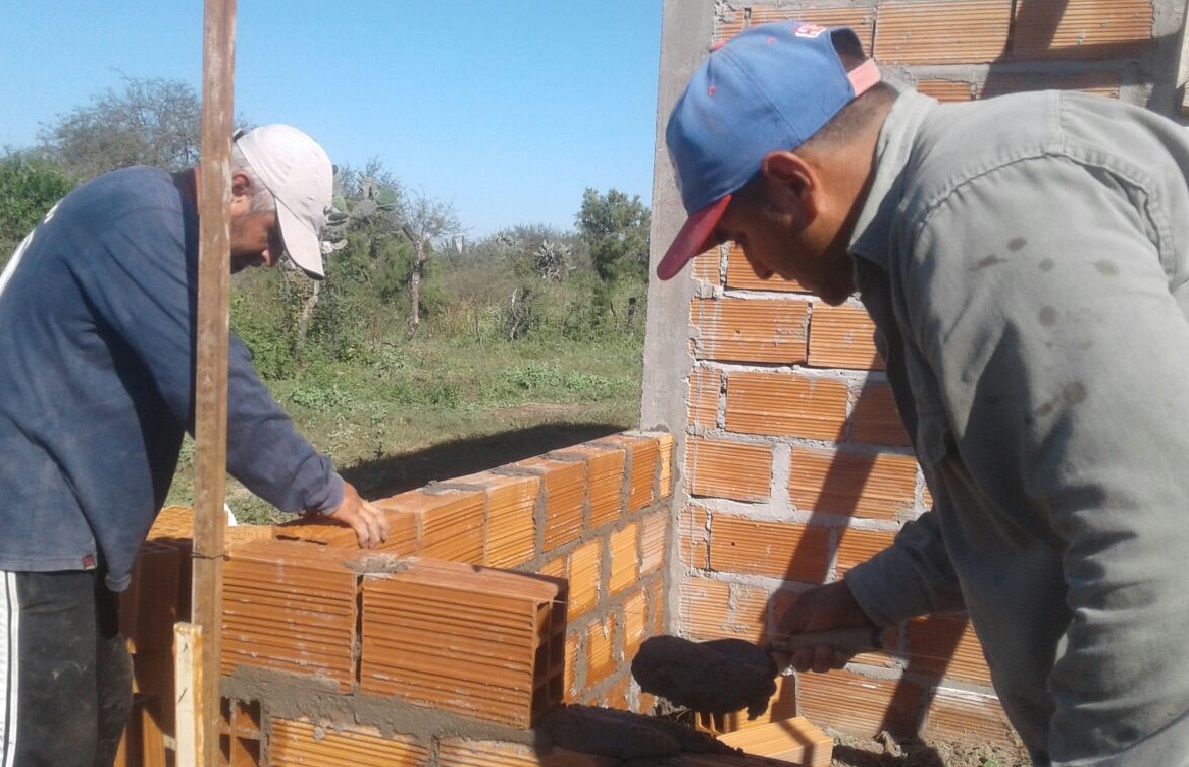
point(695, 237)
point(301, 243)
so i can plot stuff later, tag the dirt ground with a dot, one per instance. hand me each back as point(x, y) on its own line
point(857, 752)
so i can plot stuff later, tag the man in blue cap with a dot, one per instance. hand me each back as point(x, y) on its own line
point(1025, 261)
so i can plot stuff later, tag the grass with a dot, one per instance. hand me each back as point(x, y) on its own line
point(428, 408)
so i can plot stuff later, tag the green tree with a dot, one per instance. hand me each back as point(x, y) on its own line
point(615, 228)
point(152, 121)
point(428, 224)
point(28, 187)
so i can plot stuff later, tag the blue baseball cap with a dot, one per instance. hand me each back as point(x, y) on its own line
point(770, 88)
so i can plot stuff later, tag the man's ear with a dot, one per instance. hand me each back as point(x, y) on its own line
point(241, 185)
point(793, 186)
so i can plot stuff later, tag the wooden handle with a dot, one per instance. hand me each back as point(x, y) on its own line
point(848, 638)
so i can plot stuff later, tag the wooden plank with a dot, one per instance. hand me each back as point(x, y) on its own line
point(210, 427)
point(187, 691)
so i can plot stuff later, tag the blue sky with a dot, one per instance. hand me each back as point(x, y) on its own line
point(508, 109)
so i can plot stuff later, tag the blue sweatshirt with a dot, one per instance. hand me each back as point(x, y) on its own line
point(97, 364)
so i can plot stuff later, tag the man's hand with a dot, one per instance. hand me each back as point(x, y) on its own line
point(369, 523)
point(821, 608)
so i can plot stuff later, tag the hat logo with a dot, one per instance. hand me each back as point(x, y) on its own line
point(808, 30)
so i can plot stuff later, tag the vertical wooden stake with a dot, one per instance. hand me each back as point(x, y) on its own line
point(187, 690)
point(210, 426)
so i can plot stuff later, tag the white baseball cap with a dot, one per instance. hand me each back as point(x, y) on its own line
point(298, 174)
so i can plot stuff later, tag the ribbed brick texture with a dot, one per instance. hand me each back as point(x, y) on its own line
point(604, 480)
point(643, 455)
point(480, 642)
point(793, 740)
point(861, 485)
point(451, 523)
point(786, 405)
point(509, 519)
point(301, 744)
point(565, 495)
point(749, 331)
point(961, 32)
point(727, 469)
point(290, 606)
point(859, 705)
point(740, 275)
point(705, 384)
point(1082, 29)
point(461, 752)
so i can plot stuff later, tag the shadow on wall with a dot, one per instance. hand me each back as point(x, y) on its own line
point(393, 475)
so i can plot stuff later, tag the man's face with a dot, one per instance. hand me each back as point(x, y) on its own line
point(778, 240)
point(255, 240)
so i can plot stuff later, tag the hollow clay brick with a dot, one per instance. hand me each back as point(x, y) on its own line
point(842, 337)
point(785, 405)
point(957, 714)
point(294, 743)
point(737, 330)
point(586, 575)
point(860, 19)
point(635, 622)
point(944, 646)
point(605, 466)
point(857, 546)
point(624, 548)
point(875, 419)
point(957, 32)
point(483, 643)
point(509, 520)
point(858, 705)
point(654, 538)
point(565, 493)
point(601, 660)
point(717, 610)
point(705, 385)
point(664, 442)
point(719, 468)
point(793, 740)
point(694, 524)
point(463, 752)
point(642, 455)
point(573, 651)
point(451, 523)
point(402, 540)
point(773, 549)
point(947, 91)
point(1082, 29)
point(741, 276)
point(1105, 83)
point(782, 706)
point(707, 266)
point(290, 606)
point(148, 608)
point(852, 484)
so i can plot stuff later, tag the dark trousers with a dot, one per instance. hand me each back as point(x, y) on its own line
point(64, 669)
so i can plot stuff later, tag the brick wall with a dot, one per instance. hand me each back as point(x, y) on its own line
point(793, 464)
point(497, 597)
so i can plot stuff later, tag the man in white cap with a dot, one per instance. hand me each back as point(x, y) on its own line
point(97, 364)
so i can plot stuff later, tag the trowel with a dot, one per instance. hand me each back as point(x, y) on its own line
point(722, 676)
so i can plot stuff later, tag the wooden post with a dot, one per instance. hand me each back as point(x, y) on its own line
point(210, 427)
point(187, 692)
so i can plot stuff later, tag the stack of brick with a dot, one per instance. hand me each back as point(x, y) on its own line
point(497, 597)
point(796, 467)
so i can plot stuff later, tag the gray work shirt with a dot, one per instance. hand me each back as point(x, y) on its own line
point(1025, 260)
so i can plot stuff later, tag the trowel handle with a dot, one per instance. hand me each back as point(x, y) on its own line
point(845, 638)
